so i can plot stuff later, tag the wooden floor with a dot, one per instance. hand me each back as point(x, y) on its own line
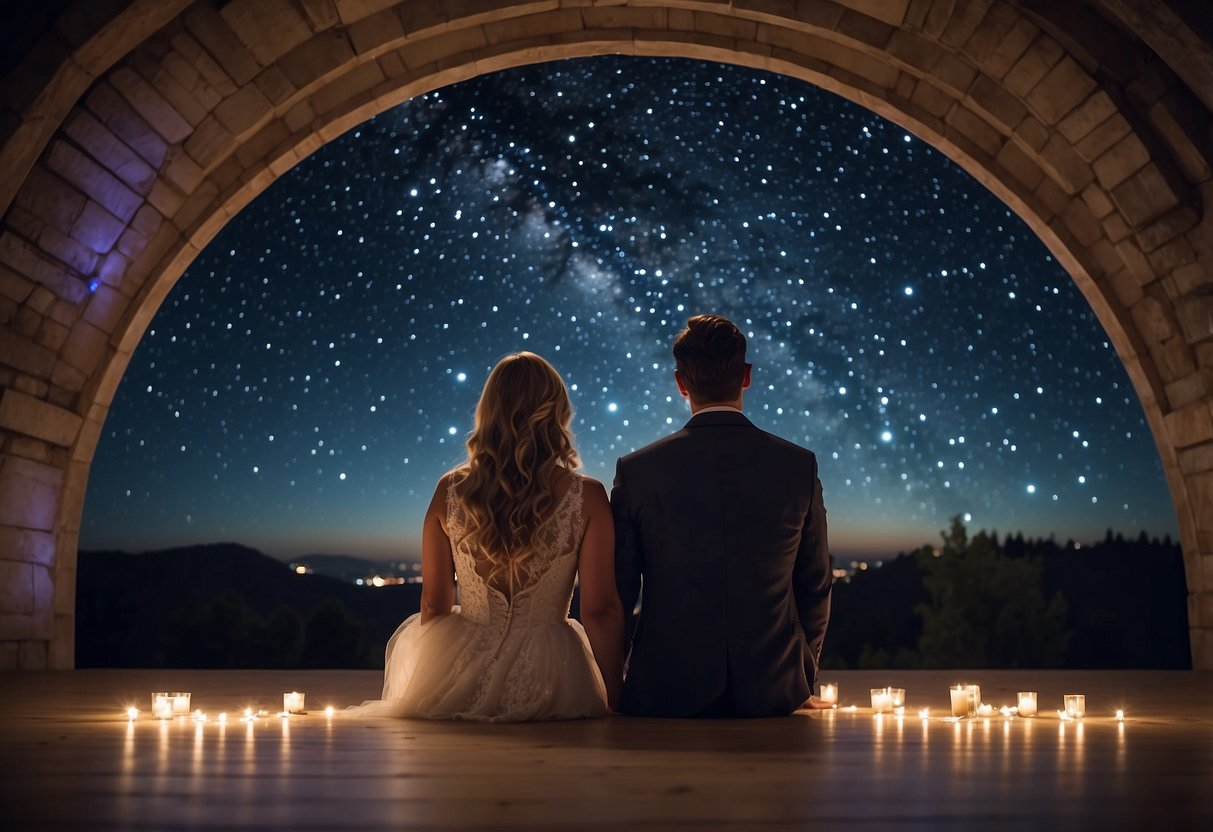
point(70, 760)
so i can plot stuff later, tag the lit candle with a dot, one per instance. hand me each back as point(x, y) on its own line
point(181, 704)
point(985, 709)
point(1027, 702)
point(1120, 715)
point(882, 700)
point(897, 699)
point(1076, 705)
point(829, 694)
point(962, 701)
point(162, 705)
point(924, 713)
point(292, 702)
point(329, 711)
point(132, 713)
point(223, 718)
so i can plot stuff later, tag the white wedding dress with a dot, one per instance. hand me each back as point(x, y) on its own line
point(494, 658)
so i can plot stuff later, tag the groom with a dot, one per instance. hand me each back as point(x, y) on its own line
point(723, 525)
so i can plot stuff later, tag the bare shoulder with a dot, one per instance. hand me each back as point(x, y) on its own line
point(594, 495)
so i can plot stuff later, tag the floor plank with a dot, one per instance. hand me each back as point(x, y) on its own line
point(70, 760)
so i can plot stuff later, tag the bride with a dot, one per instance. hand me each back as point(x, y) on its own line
point(512, 527)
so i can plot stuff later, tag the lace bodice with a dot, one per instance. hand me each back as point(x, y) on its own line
point(548, 589)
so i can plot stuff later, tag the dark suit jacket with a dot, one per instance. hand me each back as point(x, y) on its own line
point(724, 523)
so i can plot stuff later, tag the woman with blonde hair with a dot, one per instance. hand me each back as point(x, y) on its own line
point(514, 525)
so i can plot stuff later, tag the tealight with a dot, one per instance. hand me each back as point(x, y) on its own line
point(1075, 704)
point(985, 709)
point(162, 705)
point(292, 703)
point(1027, 702)
point(962, 700)
point(882, 700)
point(181, 703)
point(132, 713)
point(829, 694)
point(329, 711)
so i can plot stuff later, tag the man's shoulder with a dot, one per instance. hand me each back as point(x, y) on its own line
point(666, 444)
point(787, 446)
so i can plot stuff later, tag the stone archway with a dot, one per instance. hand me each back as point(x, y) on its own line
point(133, 130)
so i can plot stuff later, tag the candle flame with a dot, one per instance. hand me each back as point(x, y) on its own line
point(223, 718)
point(924, 713)
point(132, 713)
point(1120, 715)
point(329, 711)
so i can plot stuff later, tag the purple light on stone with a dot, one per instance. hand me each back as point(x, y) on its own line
point(93, 284)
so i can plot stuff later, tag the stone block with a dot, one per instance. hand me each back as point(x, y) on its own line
point(1172, 255)
point(1176, 121)
point(351, 11)
point(1168, 227)
point(98, 229)
point(1032, 134)
point(1081, 223)
point(27, 447)
point(1188, 279)
point(976, 129)
point(1196, 317)
point(262, 144)
point(299, 117)
point(100, 142)
point(210, 143)
point(1019, 165)
point(183, 101)
point(247, 110)
point(90, 178)
point(213, 81)
point(1062, 89)
point(951, 73)
point(33, 652)
point(26, 356)
point(51, 199)
point(116, 113)
point(932, 99)
point(963, 22)
point(315, 60)
point(1196, 459)
point(1173, 358)
point(213, 33)
point(274, 85)
point(357, 80)
point(51, 334)
point(183, 171)
point(1033, 65)
point(1052, 197)
point(25, 259)
point(16, 588)
point(79, 259)
point(1144, 196)
point(991, 99)
point(29, 494)
point(85, 347)
point(375, 33)
point(1086, 116)
point(1191, 388)
point(1065, 166)
point(13, 286)
point(153, 107)
point(268, 28)
point(322, 14)
point(105, 308)
point(165, 198)
point(853, 25)
point(33, 417)
point(198, 204)
point(1123, 160)
point(1097, 201)
point(1188, 426)
point(1103, 138)
point(1000, 40)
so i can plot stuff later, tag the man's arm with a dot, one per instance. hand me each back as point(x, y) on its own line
point(628, 559)
point(812, 580)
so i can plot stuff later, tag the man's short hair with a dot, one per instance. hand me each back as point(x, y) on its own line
point(710, 355)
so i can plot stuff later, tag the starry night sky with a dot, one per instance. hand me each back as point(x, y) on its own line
point(317, 367)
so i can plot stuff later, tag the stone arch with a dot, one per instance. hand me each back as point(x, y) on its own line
point(132, 130)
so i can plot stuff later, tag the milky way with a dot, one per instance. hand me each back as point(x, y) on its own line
point(316, 369)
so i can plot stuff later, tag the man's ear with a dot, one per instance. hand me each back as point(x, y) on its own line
point(745, 379)
point(682, 386)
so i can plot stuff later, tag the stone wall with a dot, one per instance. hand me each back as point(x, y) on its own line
point(132, 131)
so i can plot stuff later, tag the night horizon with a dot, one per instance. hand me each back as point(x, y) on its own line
point(315, 370)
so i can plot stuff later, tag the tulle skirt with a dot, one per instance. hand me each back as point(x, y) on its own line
point(453, 668)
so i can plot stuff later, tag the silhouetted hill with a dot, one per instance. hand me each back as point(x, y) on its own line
point(226, 605)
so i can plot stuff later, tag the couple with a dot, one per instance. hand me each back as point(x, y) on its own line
point(721, 525)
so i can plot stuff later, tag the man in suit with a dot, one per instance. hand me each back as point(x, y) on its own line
point(723, 525)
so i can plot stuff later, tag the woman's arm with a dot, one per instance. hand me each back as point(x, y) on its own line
point(601, 609)
point(437, 563)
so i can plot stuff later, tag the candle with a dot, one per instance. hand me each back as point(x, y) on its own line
point(897, 699)
point(985, 709)
point(829, 694)
point(181, 704)
point(1076, 705)
point(1027, 702)
point(133, 713)
point(963, 700)
point(1120, 715)
point(976, 691)
point(162, 705)
point(292, 702)
point(329, 711)
point(882, 700)
point(924, 713)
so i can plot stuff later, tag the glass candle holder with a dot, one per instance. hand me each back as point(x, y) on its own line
point(1076, 705)
point(882, 701)
point(897, 699)
point(292, 702)
point(162, 705)
point(976, 691)
point(962, 700)
point(181, 703)
point(829, 694)
point(1027, 702)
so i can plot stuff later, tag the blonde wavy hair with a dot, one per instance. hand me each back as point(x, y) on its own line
point(520, 448)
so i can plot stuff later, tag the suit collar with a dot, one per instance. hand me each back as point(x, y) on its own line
point(718, 418)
